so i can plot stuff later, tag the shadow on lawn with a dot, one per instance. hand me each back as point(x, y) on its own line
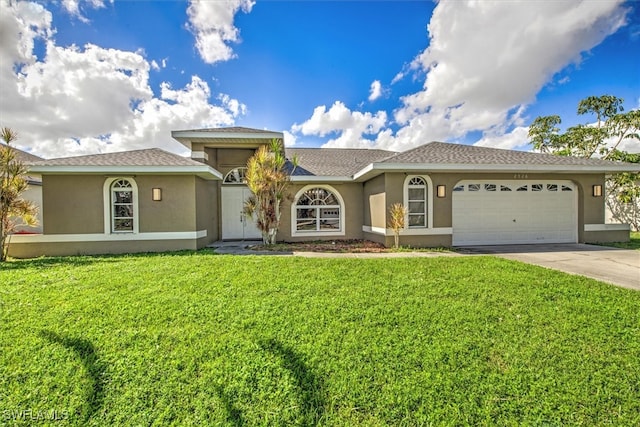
point(81, 260)
point(95, 369)
point(310, 388)
point(48, 262)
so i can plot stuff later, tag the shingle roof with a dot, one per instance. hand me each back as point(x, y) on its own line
point(23, 156)
point(233, 129)
point(147, 157)
point(447, 153)
point(334, 161)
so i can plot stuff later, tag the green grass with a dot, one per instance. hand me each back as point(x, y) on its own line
point(204, 339)
point(633, 243)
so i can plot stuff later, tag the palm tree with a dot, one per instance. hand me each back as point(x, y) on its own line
point(14, 210)
point(268, 179)
point(397, 215)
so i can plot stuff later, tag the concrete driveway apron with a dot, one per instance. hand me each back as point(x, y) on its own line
point(620, 267)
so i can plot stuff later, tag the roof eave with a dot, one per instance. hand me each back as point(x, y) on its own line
point(204, 171)
point(232, 139)
point(374, 169)
point(320, 178)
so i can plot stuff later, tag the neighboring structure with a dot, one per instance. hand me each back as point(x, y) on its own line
point(33, 192)
point(151, 200)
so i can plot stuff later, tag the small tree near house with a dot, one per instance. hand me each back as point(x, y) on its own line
point(14, 210)
point(268, 179)
point(396, 222)
point(602, 138)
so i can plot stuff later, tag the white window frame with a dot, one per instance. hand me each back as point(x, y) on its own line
point(108, 205)
point(240, 172)
point(428, 200)
point(316, 233)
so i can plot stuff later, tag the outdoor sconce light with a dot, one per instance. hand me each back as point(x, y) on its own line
point(597, 191)
point(156, 194)
point(441, 191)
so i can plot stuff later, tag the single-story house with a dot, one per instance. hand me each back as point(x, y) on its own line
point(456, 195)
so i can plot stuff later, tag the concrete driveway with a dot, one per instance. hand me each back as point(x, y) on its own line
point(620, 267)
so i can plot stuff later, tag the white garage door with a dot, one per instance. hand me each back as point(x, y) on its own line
point(514, 212)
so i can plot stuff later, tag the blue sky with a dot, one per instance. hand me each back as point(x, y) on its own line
point(80, 77)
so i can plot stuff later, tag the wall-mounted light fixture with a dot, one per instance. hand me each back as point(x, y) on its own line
point(156, 194)
point(441, 191)
point(597, 190)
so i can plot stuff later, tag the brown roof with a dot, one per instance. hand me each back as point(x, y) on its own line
point(232, 129)
point(447, 153)
point(24, 156)
point(334, 161)
point(147, 157)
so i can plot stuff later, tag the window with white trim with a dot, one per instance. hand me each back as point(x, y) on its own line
point(236, 176)
point(318, 210)
point(122, 206)
point(417, 202)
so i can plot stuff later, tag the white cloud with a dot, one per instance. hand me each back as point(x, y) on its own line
point(485, 62)
point(212, 24)
point(289, 139)
point(73, 7)
point(375, 91)
point(82, 100)
point(517, 138)
point(350, 125)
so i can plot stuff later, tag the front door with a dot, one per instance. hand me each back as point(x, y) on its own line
point(235, 225)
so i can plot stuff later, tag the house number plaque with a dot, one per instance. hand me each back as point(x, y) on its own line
point(520, 176)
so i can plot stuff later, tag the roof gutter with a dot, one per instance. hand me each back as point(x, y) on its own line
point(375, 169)
point(320, 178)
point(204, 171)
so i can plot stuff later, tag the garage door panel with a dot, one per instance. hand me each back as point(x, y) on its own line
point(502, 217)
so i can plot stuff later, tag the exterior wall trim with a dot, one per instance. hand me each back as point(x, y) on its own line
point(203, 171)
point(343, 225)
point(199, 155)
point(607, 227)
point(428, 201)
point(106, 204)
point(440, 231)
point(374, 169)
point(320, 179)
point(120, 237)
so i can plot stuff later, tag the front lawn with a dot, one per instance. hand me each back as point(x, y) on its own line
point(633, 243)
point(204, 339)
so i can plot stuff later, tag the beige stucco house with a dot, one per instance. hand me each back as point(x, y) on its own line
point(456, 195)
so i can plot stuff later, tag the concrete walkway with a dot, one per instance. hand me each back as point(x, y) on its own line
point(620, 267)
point(612, 265)
point(242, 248)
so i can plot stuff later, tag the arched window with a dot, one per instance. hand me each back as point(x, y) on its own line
point(121, 210)
point(417, 202)
point(235, 176)
point(122, 206)
point(317, 210)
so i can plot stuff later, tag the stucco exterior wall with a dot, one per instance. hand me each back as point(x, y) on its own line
point(75, 204)
point(32, 250)
point(207, 218)
point(227, 159)
point(177, 209)
point(352, 195)
point(590, 210)
point(374, 202)
point(72, 204)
